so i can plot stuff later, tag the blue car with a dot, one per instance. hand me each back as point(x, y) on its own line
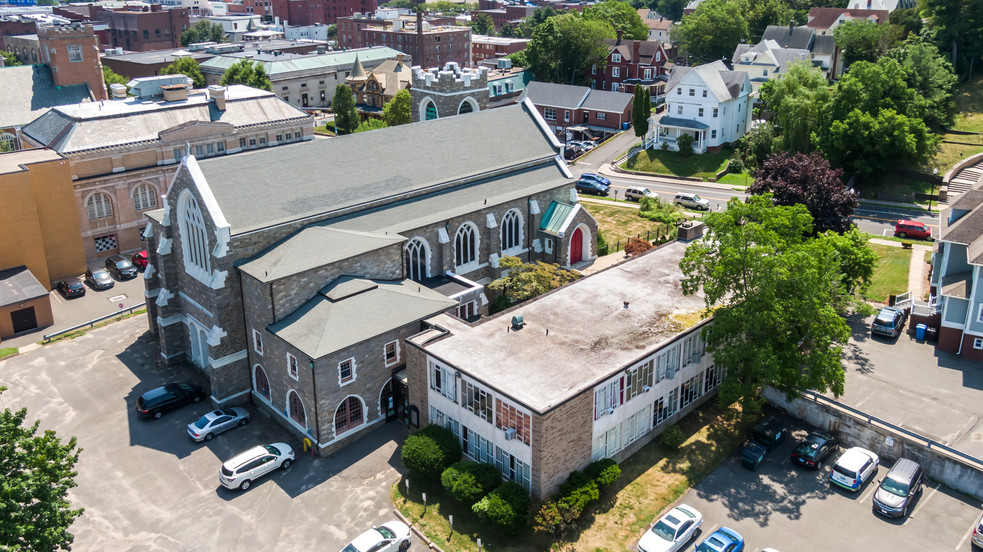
point(590, 186)
point(722, 540)
point(596, 178)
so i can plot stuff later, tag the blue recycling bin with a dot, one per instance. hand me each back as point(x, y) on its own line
point(624, 126)
point(920, 332)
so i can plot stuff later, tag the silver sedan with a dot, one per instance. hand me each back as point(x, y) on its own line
point(216, 422)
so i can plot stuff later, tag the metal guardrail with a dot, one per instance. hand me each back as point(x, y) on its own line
point(48, 337)
point(973, 461)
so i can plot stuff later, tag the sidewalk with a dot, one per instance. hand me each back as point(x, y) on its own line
point(916, 265)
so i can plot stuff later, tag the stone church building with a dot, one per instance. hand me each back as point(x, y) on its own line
point(293, 276)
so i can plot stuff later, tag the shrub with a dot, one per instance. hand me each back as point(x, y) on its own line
point(579, 492)
point(604, 472)
point(554, 519)
point(685, 142)
point(673, 437)
point(467, 482)
point(637, 246)
point(430, 451)
point(736, 165)
point(505, 508)
point(665, 146)
point(602, 245)
point(659, 211)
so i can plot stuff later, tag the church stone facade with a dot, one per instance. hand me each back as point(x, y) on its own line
point(437, 93)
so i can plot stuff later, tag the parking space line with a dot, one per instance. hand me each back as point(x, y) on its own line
point(864, 400)
point(922, 503)
point(870, 491)
point(966, 536)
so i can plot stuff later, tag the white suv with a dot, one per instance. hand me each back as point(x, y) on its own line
point(245, 467)
point(692, 201)
point(856, 466)
point(638, 192)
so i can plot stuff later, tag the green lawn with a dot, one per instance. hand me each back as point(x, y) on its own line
point(969, 105)
point(891, 274)
point(739, 180)
point(618, 223)
point(326, 128)
point(897, 187)
point(7, 351)
point(656, 161)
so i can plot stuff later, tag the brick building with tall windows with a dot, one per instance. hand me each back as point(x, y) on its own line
point(596, 369)
point(302, 296)
point(429, 42)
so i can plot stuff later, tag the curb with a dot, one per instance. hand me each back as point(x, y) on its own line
point(430, 544)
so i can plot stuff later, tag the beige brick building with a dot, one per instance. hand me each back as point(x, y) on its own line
point(597, 369)
point(124, 152)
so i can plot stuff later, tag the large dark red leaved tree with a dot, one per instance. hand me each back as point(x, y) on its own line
point(810, 181)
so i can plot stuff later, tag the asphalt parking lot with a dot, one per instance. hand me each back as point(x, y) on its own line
point(788, 508)
point(145, 485)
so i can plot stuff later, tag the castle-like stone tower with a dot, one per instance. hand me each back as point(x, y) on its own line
point(449, 91)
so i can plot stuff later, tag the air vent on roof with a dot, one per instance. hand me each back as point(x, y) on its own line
point(517, 322)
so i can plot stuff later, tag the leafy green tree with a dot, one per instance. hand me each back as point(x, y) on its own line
point(671, 9)
point(112, 78)
point(863, 40)
point(482, 24)
point(761, 13)
point(908, 22)
point(343, 106)
point(620, 15)
point(755, 146)
point(249, 73)
point(9, 59)
point(203, 31)
point(332, 31)
point(398, 111)
point(872, 86)
point(932, 79)
point(640, 111)
point(405, 4)
point(527, 280)
point(370, 124)
point(519, 59)
point(564, 47)
point(37, 472)
point(430, 451)
point(47, 2)
point(511, 30)
point(810, 181)
point(959, 30)
point(871, 144)
point(529, 24)
point(188, 67)
point(711, 32)
point(778, 296)
point(797, 100)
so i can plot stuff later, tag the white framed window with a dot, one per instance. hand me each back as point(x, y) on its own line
point(511, 231)
point(144, 197)
point(607, 397)
point(704, 93)
point(476, 400)
point(614, 88)
point(74, 53)
point(692, 91)
point(713, 133)
point(99, 205)
point(978, 343)
point(593, 69)
point(715, 110)
point(648, 74)
point(466, 245)
point(194, 237)
point(634, 427)
point(616, 71)
point(638, 380)
point(679, 91)
point(292, 369)
point(690, 390)
point(566, 115)
point(391, 352)
point(443, 380)
point(257, 342)
point(979, 314)
point(549, 113)
point(346, 371)
point(509, 417)
point(679, 110)
point(616, 57)
point(606, 444)
point(601, 116)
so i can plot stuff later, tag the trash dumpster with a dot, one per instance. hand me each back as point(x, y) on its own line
point(920, 332)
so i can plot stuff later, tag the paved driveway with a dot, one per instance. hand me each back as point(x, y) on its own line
point(788, 508)
point(145, 485)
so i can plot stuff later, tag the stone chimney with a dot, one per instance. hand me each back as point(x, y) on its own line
point(620, 32)
point(636, 52)
point(217, 93)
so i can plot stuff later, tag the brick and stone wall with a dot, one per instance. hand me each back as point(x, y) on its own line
point(561, 443)
point(448, 89)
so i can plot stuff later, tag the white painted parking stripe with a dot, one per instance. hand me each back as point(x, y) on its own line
point(966, 536)
point(922, 503)
point(872, 487)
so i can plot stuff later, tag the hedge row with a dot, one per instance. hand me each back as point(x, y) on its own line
point(468, 482)
point(505, 508)
point(581, 489)
point(430, 451)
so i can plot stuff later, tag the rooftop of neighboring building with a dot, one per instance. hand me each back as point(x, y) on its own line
point(576, 336)
point(19, 284)
point(790, 37)
point(28, 91)
point(768, 52)
point(276, 65)
point(12, 161)
point(503, 40)
point(154, 57)
point(556, 95)
point(967, 229)
point(86, 126)
point(824, 18)
point(646, 49)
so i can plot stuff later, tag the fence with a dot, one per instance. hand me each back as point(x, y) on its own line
point(48, 337)
point(663, 232)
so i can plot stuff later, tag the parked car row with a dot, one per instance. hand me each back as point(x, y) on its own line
point(674, 530)
point(100, 277)
point(590, 183)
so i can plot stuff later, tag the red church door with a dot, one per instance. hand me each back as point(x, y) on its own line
point(577, 246)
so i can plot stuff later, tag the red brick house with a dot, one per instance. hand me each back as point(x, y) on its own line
point(629, 63)
point(580, 109)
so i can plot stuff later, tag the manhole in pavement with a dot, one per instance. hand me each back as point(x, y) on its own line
point(977, 437)
point(115, 298)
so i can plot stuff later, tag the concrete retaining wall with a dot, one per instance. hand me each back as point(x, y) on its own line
point(890, 443)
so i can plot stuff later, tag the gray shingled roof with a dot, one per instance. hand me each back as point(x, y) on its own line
point(19, 284)
point(312, 247)
point(724, 83)
point(556, 95)
point(796, 37)
point(348, 309)
point(605, 100)
point(27, 91)
point(666, 120)
point(824, 44)
point(81, 127)
point(328, 175)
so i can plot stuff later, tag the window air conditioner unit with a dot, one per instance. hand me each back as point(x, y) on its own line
point(611, 411)
point(671, 373)
point(509, 433)
point(645, 388)
point(695, 357)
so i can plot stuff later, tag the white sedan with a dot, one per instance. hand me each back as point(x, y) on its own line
point(391, 536)
point(672, 531)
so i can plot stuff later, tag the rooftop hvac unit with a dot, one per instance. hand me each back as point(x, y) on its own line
point(504, 63)
point(509, 433)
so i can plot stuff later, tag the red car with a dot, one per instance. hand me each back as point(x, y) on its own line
point(911, 229)
point(139, 260)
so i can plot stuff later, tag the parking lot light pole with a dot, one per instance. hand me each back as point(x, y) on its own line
point(935, 175)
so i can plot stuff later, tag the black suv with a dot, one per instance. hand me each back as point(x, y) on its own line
point(766, 436)
point(71, 287)
point(155, 402)
point(812, 450)
point(120, 267)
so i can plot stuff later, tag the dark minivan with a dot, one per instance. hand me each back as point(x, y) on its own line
point(155, 402)
point(893, 496)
